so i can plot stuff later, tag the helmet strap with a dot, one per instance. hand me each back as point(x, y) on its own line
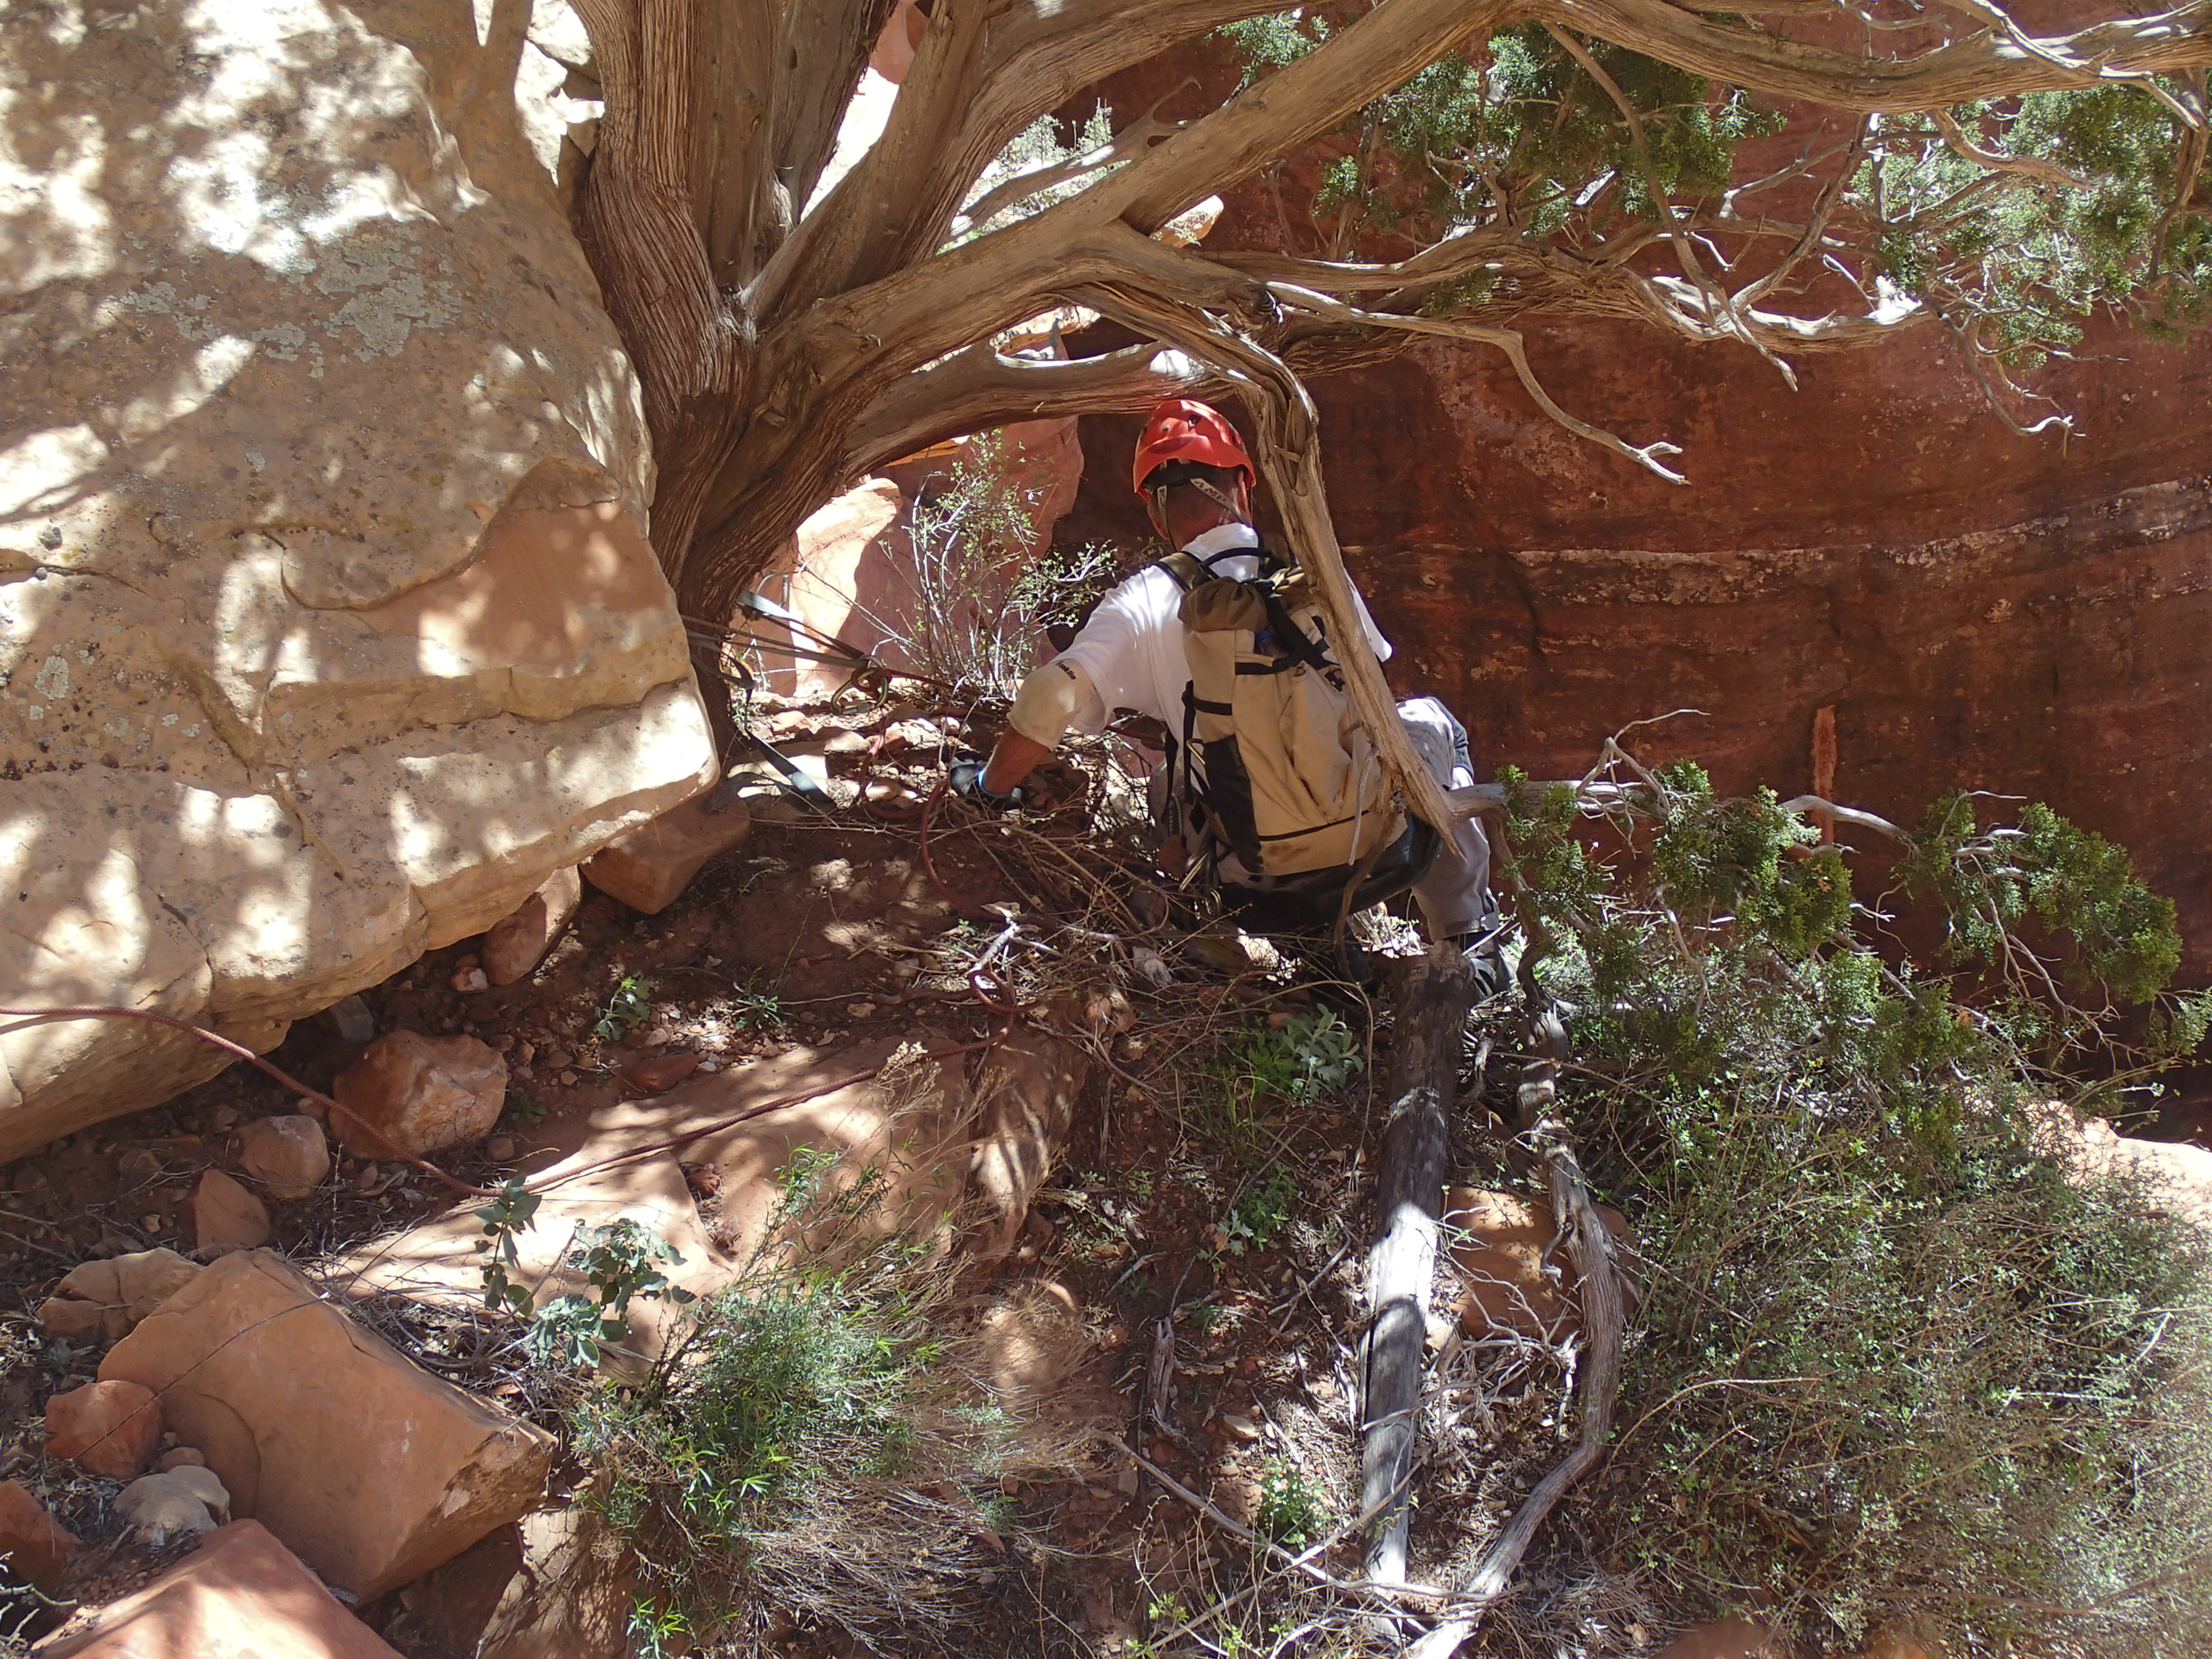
point(1157, 501)
point(1216, 496)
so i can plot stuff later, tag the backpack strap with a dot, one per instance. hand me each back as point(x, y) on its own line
point(1185, 570)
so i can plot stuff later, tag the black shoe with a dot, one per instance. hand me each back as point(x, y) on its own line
point(1493, 977)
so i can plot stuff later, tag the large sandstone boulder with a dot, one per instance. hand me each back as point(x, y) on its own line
point(368, 1467)
point(328, 626)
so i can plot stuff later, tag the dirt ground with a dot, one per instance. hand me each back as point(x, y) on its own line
point(1209, 1236)
point(1222, 1237)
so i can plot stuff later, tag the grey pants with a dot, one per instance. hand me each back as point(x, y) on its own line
point(1454, 895)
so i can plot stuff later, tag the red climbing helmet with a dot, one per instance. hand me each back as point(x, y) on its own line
point(1183, 429)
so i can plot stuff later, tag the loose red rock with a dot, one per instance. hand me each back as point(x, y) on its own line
point(288, 1156)
point(106, 1298)
point(647, 867)
point(421, 1094)
point(39, 1546)
point(657, 1073)
point(106, 1428)
point(518, 942)
point(225, 1217)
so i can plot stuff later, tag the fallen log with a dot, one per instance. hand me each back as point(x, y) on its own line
point(1590, 1247)
point(1433, 999)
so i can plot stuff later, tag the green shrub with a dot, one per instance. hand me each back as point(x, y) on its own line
point(813, 1440)
point(1892, 1367)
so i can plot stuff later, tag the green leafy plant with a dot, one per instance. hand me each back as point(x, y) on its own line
point(1291, 1511)
point(978, 590)
point(621, 1262)
point(1262, 1211)
point(1309, 1057)
point(627, 1007)
point(654, 1628)
point(757, 1007)
point(775, 1451)
point(505, 1218)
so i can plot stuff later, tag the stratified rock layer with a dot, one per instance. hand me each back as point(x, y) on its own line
point(328, 626)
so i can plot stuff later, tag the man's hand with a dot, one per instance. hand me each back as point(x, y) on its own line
point(966, 779)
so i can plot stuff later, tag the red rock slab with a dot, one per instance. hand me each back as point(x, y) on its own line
point(108, 1428)
point(368, 1467)
point(518, 942)
point(647, 867)
point(240, 1595)
point(37, 1545)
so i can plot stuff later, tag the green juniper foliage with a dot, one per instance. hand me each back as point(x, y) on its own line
point(1895, 1363)
point(2075, 202)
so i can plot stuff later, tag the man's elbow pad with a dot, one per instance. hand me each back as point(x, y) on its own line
point(1048, 702)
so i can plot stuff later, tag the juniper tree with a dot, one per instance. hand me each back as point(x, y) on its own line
point(1492, 165)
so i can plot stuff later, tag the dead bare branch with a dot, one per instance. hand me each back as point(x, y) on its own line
point(1597, 1384)
point(1505, 340)
point(982, 387)
point(1984, 64)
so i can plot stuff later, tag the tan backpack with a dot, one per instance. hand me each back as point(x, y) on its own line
point(1289, 780)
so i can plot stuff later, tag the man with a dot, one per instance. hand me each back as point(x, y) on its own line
point(1195, 478)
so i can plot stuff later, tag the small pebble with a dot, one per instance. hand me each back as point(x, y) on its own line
point(471, 979)
point(353, 1018)
point(709, 1064)
point(568, 1079)
point(859, 1010)
point(500, 1149)
point(366, 1179)
point(224, 1117)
